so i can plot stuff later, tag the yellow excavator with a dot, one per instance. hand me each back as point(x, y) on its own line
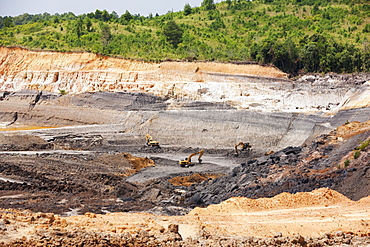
point(187, 161)
point(150, 141)
point(242, 145)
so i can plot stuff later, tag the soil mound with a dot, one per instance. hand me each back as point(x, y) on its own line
point(351, 129)
point(239, 205)
point(17, 142)
point(340, 222)
point(193, 179)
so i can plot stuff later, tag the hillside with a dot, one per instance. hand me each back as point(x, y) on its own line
point(80, 94)
point(305, 35)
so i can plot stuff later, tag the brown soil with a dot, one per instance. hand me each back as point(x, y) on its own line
point(133, 164)
point(312, 214)
point(193, 179)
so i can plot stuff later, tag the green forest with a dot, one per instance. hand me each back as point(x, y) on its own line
point(294, 35)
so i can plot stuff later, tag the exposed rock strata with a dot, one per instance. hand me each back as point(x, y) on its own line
point(247, 86)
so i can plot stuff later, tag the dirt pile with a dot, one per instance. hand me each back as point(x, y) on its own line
point(239, 205)
point(133, 164)
point(340, 221)
point(193, 179)
point(14, 142)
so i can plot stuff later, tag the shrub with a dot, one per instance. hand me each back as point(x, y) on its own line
point(363, 145)
point(346, 163)
point(356, 154)
point(63, 92)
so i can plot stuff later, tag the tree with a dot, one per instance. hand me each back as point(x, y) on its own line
point(8, 22)
point(229, 4)
point(366, 28)
point(187, 9)
point(78, 27)
point(88, 23)
point(173, 33)
point(208, 4)
point(126, 17)
point(105, 36)
point(98, 14)
point(105, 16)
point(56, 19)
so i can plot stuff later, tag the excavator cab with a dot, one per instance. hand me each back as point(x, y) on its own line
point(187, 161)
point(150, 142)
point(243, 145)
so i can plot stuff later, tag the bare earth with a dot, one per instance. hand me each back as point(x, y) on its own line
point(314, 215)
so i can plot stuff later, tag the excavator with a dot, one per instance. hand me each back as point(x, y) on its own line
point(242, 145)
point(187, 161)
point(150, 141)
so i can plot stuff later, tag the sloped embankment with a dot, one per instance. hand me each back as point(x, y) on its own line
point(328, 161)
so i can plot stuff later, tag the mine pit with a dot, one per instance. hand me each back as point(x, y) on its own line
point(80, 165)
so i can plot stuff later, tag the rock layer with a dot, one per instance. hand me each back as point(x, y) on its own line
point(247, 86)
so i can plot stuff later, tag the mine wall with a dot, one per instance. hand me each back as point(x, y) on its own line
point(198, 104)
point(219, 129)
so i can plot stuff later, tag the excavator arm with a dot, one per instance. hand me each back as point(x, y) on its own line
point(150, 141)
point(242, 145)
point(187, 161)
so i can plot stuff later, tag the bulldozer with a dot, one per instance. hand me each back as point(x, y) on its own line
point(243, 145)
point(187, 161)
point(150, 142)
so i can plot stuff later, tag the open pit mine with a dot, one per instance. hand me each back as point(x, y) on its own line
point(103, 151)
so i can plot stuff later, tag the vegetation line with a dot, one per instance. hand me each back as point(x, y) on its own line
point(293, 35)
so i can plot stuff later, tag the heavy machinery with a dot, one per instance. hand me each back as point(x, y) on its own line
point(150, 141)
point(243, 145)
point(187, 161)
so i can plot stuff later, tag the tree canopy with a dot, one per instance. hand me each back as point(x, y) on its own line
point(173, 33)
point(294, 35)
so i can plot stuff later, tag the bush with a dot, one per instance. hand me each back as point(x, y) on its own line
point(356, 154)
point(346, 163)
point(363, 145)
point(63, 92)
